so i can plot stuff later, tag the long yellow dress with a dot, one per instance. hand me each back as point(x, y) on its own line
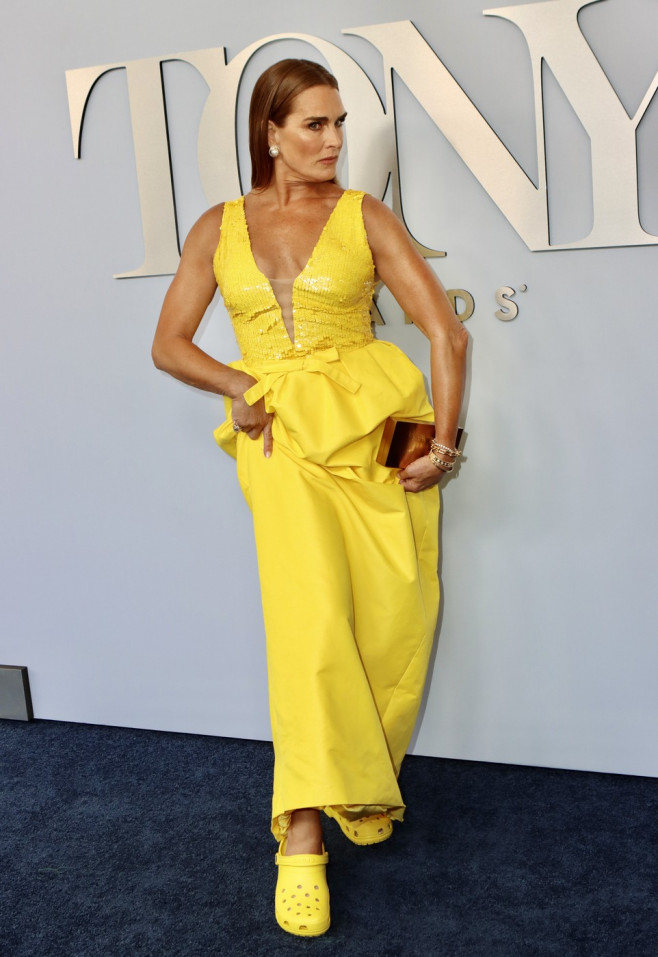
point(347, 559)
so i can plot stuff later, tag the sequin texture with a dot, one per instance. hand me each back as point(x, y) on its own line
point(331, 297)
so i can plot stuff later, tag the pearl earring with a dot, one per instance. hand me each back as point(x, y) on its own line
point(274, 151)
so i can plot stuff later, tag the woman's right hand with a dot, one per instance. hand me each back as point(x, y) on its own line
point(253, 420)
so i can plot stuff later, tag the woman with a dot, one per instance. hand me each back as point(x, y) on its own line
point(347, 549)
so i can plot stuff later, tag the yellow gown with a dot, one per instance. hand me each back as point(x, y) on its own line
point(347, 559)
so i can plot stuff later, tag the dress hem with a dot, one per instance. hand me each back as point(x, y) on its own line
point(351, 812)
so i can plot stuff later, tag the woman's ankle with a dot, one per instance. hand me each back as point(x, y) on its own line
point(304, 834)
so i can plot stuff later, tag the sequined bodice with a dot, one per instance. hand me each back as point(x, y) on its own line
point(331, 297)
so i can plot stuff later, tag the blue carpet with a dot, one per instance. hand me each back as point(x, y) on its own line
point(120, 842)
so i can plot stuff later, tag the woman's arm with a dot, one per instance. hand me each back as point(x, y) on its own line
point(418, 291)
point(187, 299)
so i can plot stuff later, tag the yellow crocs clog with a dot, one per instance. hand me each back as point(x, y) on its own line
point(302, 896)
point(366, 830)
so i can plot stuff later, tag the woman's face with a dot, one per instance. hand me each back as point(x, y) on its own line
point(311, 137)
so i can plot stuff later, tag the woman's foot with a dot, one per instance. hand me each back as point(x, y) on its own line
point(304, 835)
point(367, 830)
point(302, 896)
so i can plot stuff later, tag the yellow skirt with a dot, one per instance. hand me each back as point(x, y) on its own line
point(348, 571)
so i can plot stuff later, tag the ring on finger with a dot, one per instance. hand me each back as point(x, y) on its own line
point(236, 427)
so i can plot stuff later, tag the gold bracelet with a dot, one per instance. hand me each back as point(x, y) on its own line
point(440, 464)
point(444, 449)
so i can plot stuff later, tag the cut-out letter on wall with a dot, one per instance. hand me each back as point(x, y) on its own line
point(151, 145)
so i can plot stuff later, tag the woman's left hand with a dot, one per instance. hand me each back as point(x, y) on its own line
point(419, 475)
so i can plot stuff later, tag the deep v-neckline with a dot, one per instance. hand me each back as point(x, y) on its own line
point(313, 251)
point(299, 275)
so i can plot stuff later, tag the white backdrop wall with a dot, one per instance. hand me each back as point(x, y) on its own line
point(128, 568)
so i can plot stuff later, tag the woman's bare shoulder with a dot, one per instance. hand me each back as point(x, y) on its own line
point(378, 213)
point(211, 220)
point(204, 235)
point(382, 225)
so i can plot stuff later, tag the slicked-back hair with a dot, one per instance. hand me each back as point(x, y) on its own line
point(272, 99)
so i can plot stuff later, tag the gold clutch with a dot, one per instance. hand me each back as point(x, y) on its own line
point(403, 442)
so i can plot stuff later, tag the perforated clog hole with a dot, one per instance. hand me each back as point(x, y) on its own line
point(299, 887)
point(316, 887)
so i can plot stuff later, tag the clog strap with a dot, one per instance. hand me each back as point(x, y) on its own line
point(301, 860)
